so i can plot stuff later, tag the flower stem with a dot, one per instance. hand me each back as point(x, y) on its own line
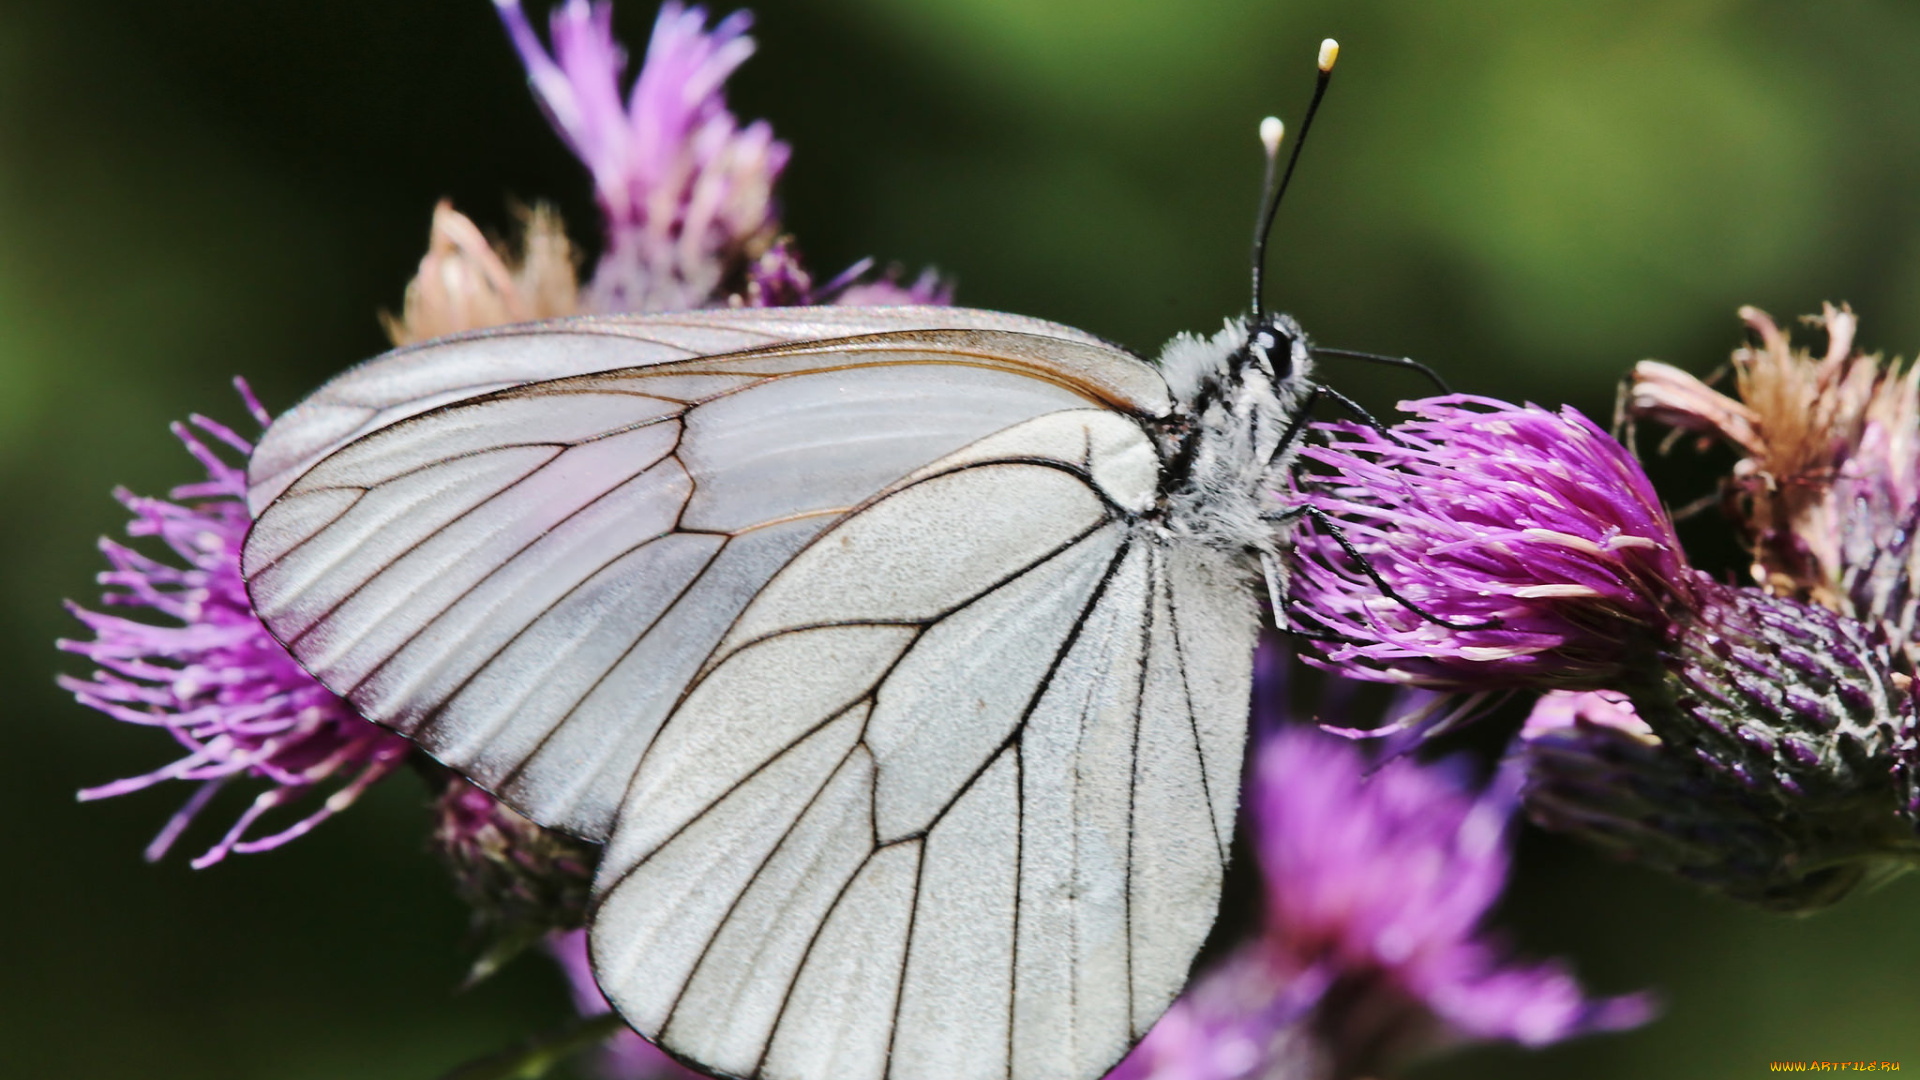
point(534, 1057)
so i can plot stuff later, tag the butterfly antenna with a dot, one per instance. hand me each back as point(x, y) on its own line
point(1271, 131)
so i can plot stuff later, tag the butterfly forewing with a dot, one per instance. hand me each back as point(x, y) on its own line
point(412, 380)
point(915, 741)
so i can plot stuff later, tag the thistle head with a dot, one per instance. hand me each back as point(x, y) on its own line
point(520, 881)
point(1594, 769)
point(1532, 538)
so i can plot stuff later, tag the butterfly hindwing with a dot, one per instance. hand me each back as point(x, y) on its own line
point(933, 741)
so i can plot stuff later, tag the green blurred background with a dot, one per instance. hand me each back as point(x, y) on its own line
point(1532, 196)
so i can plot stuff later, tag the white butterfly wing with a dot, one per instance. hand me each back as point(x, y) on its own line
point(411, 380)
point(524, 583)
point(927, 782)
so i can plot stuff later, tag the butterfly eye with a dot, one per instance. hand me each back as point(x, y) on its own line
point(1273, 350)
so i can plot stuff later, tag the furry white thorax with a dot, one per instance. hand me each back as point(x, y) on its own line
point(1232, 406)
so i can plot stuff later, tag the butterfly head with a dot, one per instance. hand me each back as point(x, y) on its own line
point(1277, 349)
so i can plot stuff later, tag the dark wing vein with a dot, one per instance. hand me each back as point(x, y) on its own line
point(1193, 721)
point(434, 715)
point(1133, 785)
point(508, 561)
point(720, 927)
point(562, 447)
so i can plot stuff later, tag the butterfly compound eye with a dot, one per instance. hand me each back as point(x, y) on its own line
point(1271, 348)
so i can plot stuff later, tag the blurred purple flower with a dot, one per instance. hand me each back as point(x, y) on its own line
point(686, 191)
point(1376, 885)
point(218, 682)
point(1534, 525)
point(625, 1056)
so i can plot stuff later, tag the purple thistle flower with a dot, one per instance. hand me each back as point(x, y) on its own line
point(218, 682)
point(685, 190)
point(1535, 525)
point(1377, 883)
point(1777, 722)
point(625, 1056)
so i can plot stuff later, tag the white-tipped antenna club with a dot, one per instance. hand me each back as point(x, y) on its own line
point(1271, 131)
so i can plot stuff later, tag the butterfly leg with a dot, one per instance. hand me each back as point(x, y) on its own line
point(1297, 423)
point(1283, 606)
point(1366, 417)
point(1326, 521)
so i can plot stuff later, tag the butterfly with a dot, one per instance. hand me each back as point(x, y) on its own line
point(899, 657)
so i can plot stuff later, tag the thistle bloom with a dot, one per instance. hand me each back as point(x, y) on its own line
point(1540, 541)
point(1532, 528)
point(1376, 882)
point(217, 681)
point(687, 193)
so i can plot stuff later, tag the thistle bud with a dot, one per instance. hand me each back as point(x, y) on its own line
point(1595, 770)
point(520, 880)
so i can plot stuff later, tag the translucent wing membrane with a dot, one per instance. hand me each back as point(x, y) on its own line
point(915, 744)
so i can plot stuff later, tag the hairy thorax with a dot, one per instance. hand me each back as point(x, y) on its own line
point(1233, 433)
